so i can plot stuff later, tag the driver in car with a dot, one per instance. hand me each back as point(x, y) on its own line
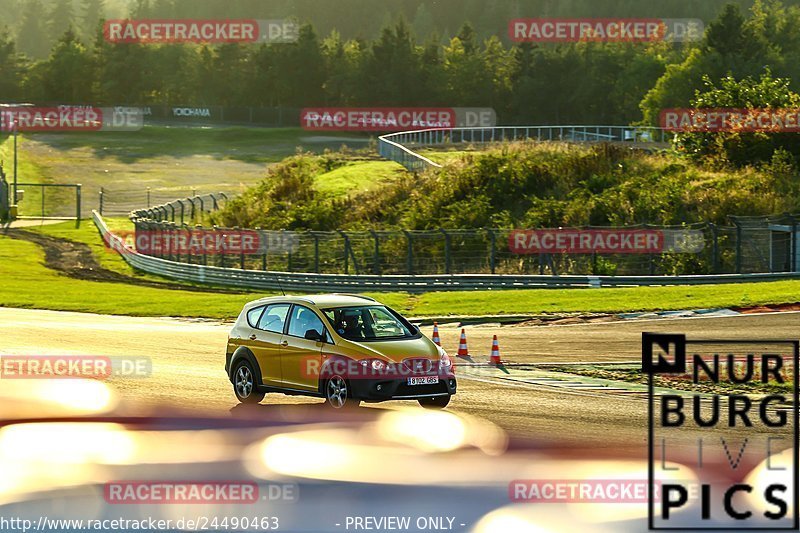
point(350, 327)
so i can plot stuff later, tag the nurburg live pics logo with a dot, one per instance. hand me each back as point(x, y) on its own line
point(722, 433)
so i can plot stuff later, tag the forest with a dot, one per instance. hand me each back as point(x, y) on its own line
point(444, 57)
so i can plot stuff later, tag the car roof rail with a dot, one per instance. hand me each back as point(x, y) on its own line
point(355, 296)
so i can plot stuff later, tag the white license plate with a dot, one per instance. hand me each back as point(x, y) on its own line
point(427, 380)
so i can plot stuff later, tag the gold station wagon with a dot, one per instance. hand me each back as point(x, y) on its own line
point(340, 347)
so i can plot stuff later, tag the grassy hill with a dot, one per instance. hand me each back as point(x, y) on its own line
point(521, 184)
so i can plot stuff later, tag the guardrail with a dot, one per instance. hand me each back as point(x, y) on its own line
point(306, 282)
point(395, 146)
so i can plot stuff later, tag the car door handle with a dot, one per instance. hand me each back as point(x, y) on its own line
point(253, 337)
point(284, 343)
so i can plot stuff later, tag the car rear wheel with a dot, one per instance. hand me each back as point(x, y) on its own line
point(437, 402)
point(338, 394)
point(244, 383)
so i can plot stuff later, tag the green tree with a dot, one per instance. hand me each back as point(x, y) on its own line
point(731, 45)
point(32, 37)
point(742, 147)
point(60, 17)
point(91, 12)
point(300, 67)
point(69, 71)
point(423, 22)
point(11, 67)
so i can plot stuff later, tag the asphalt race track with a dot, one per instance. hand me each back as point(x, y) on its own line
point(188, 357)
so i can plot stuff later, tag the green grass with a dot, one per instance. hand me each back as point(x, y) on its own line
point(357, 177)
point(27, 283)
point(445, 156)
point(106, 257)
point(608, 300)
point(172, 161)
point(88, 234)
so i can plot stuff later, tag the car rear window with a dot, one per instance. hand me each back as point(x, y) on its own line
point(253, 315)
point(274, 318)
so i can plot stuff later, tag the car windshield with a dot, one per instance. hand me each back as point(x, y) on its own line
point(367, 323)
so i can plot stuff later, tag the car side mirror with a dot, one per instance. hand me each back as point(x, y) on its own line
point(313, 335)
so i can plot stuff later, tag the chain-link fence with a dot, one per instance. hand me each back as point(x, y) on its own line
point(761, 245)
point(112, 201)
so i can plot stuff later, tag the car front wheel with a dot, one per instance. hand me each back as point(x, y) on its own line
point(437, 402)
point(244, 384)
point(338, 394)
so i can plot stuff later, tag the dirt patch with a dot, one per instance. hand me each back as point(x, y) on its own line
point(633, 374)
point(75, 259)
point(562, 320)
point(775, 308)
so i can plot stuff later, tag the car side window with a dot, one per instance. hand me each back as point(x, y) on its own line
point(253, 315)
point(304, 319)
point(274, 318)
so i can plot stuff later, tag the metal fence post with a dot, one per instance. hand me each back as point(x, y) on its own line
point(289, 255)
point(220, 251)
point(316, 251)
point(101, 200)
point(265, 240)
point(738, 248)
point(241, 251)
point(4, 203)
point(77, 206)
point(187, 232)
point(409, 253)
point(714, 248)
point(204, 251)
point(376, 253)
point(446, 250)
point(148, 197)
point(492, 250)
point(346, 250)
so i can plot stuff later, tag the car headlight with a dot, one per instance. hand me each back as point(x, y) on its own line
point(375, 364)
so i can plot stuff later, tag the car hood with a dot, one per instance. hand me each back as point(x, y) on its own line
point(397, 350)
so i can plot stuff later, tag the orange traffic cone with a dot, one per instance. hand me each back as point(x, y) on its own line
point(463, 351)
point(494, 358)
point(436, 340)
